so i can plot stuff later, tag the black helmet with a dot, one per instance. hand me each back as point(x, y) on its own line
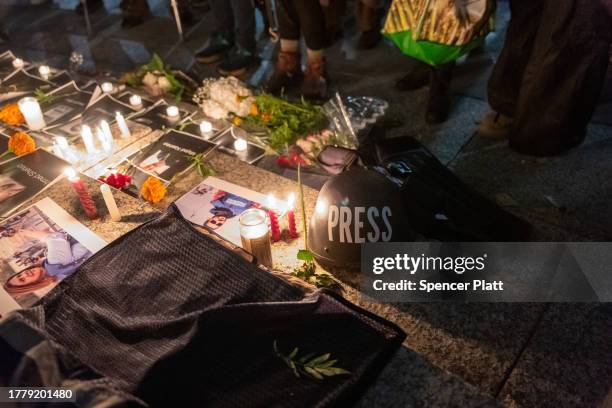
point(354, 207)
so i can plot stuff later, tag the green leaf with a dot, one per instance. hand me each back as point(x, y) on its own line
point(306, 357)
point(305, 255)
point(313, 373)
point(321, 359)
point(293, 353)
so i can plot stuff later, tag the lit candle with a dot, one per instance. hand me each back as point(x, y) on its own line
point(136, 101)
point(107, 144)
point(109, 200)
point(240, 145)
point(173, 113)
point(291, 216)
point(88, 204)
point(107, 87)
point(274, 225)
point(30, 109)
point(123, 127)
point(88, 140)
point(205, 128)
point(62, 142)
point(255, 235)
point(44, 71)
point(18, 63)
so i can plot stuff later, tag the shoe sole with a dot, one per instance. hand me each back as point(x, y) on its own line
point(211, 59)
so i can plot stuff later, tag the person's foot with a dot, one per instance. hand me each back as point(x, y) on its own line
point(220, 44)
point(287, 73)
point(495, 126)
point(314, 84)
point(418, 77)
point(237, 62)
point(132, 21)
point(438, 105)
point(92, 6)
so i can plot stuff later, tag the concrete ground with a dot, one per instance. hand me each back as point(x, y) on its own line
point(524, 355)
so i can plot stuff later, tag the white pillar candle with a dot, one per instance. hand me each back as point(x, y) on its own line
point(255, 235)
point(18, 63)
point(107, 144)
point(44, 71)
point(240, 145)
point(30, 109)
point(88, 140)
point(205, 128)
point(107, 87)
point(136, 101)
point(173, 113)
point(109, 200)
point(123, 127)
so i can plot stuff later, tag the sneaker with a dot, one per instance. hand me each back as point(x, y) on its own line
point(92, 6)
point(314, 85)
point(219, 45)
point(495, 126)
point(287, 73)
point(238, 62)
point(418, 77)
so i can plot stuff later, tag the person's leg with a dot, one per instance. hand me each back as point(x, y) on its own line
point(287, 72)
point(312, 23)
point(134, 12)
point(243, 56)
point(334, 14)
point(368, 22)
point(222, 33)
point(92, 6)
point(438, 104)
point(563, 78)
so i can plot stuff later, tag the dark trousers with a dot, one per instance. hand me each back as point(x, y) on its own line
point(304, 17)
point(236, 17)
point(550, 72)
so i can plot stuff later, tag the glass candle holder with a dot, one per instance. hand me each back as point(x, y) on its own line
point(255, 235)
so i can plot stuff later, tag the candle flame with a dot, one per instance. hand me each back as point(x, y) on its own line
point(70, 172)
point(291, 201)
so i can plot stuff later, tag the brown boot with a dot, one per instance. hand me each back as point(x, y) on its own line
point(314, 85)
point(287, 72)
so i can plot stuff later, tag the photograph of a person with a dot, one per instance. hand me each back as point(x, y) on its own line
point(216, 205)
point(39, 247)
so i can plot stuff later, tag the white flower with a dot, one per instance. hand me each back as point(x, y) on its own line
point(164, 84)
point(214, 110)
point(149, 79)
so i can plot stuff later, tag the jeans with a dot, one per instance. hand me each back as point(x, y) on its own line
point(235, 17)
point(305, 17)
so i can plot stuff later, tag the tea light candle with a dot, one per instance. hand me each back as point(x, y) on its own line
point(136, 101)
point(107, 87)
point(30, 109)
point(255, 235)
point(123, 127)
point(240, 145)
point(18, 63)
point(88, 140)
point(205, 128)
point(44, 71)
point(110, 202)
point(88, 204)
point(173, 113)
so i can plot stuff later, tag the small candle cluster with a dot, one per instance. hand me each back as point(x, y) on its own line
point(276, 213)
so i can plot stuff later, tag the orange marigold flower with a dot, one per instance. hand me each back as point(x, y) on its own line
point(254, 110)
point(237, 121)
point(266, 117)
point(21, 143)
point(10, 114)
point(153, 190)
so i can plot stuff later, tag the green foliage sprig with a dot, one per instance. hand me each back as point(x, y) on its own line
point(203, 169)
point(314, 367)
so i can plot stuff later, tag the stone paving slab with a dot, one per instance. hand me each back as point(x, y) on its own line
point(567, 363)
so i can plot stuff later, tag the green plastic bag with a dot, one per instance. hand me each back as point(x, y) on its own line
point(430, 31)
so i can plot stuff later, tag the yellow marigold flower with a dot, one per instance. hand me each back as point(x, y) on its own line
point(21, 143)
point(10, 114)
point(254, 110)
point(237, 121)
point(153, 190)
